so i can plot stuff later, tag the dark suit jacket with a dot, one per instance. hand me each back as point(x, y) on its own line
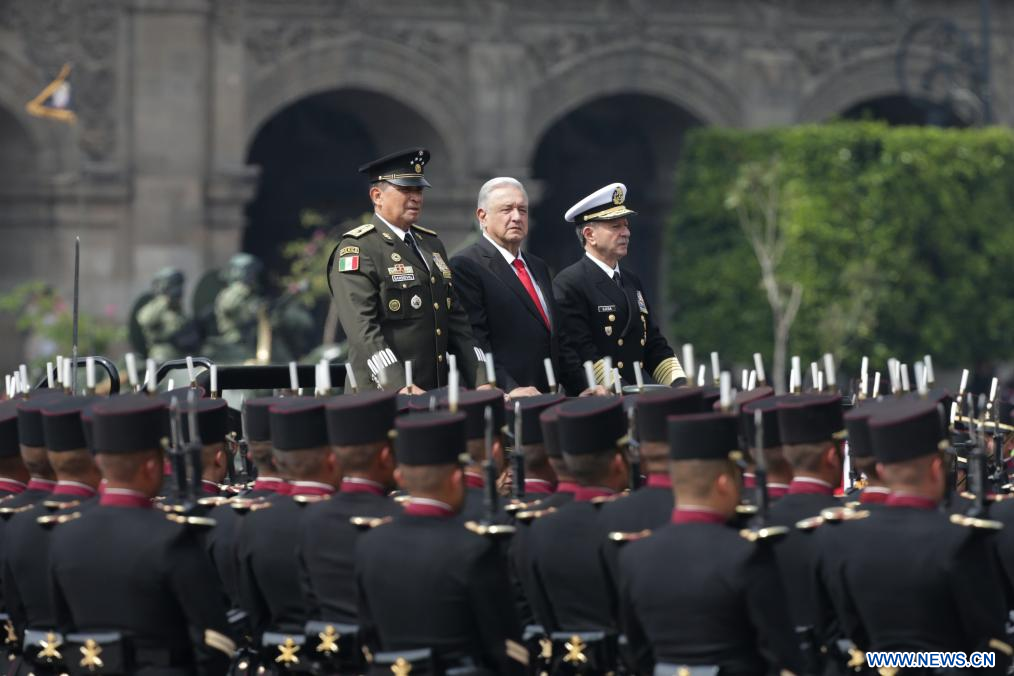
point(506, 322)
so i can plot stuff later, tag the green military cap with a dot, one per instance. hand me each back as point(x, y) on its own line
point(404, 168)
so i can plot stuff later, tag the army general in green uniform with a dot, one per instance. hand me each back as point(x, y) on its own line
point(394, 290)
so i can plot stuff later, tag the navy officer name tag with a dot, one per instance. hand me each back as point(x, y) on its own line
point(607, 308)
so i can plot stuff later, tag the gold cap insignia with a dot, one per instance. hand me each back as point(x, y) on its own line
point(90, 652)
point(287, 652)
point(401, 667)
point(50, 647)
point(418, 168)
point(618, 196)
point(575, 651)
point(328, 640)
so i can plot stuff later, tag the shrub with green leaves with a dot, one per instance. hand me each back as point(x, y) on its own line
point(901, 238)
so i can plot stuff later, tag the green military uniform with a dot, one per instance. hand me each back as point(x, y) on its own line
point(161, 319)
point(396, 307)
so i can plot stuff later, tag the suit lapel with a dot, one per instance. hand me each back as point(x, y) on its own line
point(498, 266)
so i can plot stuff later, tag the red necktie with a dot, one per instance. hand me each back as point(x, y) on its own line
point(526, 281)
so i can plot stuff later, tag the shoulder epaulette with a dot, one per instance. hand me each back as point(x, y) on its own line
point(621, 537)
point(603, 499)
point(368, 522)
point(519, 505)
point(839, 514)
point(746, 509)
point(196, 521)
point(54, 505)
point(171, 508)
point(533, 514)
point(359, 231)
point(402, 499)
point(426, 230)
point(310, 499)
point(213, 501)
point(489, 530)
point(250, 505)
point(51, 520)
point(972, 522)
point(768, 533)
point(8, 512)
point(810, 524)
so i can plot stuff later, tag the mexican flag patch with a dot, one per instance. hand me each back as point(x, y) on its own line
point(348, 263)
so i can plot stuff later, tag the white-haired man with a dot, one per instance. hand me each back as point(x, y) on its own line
point(508, 295)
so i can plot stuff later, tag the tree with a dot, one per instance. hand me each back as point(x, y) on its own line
point(758, 197)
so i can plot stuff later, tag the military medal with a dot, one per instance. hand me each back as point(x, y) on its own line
point(394, 305)
point(641, 304)
point(609, 330)
point(395, 256)
point(401, 273)
point(416, 302)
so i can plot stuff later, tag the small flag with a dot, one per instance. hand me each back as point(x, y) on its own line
point(54, 101)
point(348, 263)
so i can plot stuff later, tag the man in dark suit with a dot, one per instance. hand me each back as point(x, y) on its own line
point(509, 296)
point(603, 310)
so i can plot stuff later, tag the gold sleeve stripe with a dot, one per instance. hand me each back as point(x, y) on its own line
point(599, 368)
point(517, 652)
point(668, 370)
point(997, 644)
point(219, 641)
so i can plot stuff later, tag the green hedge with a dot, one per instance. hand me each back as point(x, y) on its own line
point(902, 237)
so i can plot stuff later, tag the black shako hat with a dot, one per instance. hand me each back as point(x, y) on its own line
point(857, 425)
point(9, 442)
point(768, 406)
point(298, 424)
point(810, 419)
point(257, 418)
point(653, 407)
point(549, 421)
point(212, 420)
point(906, 430)
point(128, 424)
point(30, 417)
point(473, 404)
point(404, 168)
point(703, 436)
point(436, 438)
point(531, 410)
point(362, 418)
point(592, 425)
point(62, 424)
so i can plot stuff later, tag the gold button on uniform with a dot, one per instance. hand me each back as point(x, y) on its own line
point(438, 332)
point(436, 306)
point(612, 318)
point(440, 358)
point(642, 341)
point(433, 280)
point(620, 342)
point(619, 364)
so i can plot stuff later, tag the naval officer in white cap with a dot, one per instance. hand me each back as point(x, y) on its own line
point(603, 309)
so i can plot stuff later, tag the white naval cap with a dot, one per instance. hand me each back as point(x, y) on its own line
point(602, 205)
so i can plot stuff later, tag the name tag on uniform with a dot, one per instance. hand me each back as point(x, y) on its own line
point(641, 305)
point(607, 308)
point(444, 270)
point(401, 273)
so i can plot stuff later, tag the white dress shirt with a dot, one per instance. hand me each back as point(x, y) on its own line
point(605, 268)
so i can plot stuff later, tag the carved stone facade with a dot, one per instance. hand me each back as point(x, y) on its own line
point(172, 93)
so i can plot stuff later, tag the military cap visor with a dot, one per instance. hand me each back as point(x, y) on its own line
point(403, 168)
point(605, 204)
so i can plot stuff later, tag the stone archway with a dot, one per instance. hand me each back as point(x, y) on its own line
point(631, 138)
point(308, 154)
